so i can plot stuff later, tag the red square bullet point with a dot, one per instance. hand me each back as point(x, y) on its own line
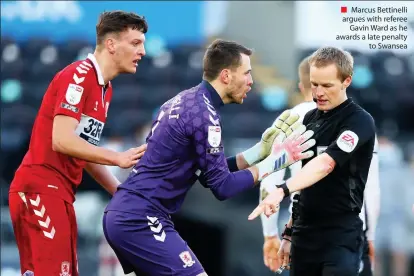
point(344, 9)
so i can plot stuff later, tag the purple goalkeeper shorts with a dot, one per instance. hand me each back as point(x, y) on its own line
point(149, 245)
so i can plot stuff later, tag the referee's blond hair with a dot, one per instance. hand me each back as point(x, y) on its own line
point(331, 55)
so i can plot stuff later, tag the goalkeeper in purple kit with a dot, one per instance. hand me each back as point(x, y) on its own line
point(184, 145)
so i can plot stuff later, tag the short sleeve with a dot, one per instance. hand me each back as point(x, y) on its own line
point(355, 132)
point(70, 94)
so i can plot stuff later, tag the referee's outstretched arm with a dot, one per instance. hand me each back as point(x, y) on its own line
point(357, 130)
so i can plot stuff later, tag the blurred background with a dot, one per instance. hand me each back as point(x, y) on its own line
point(40, 38)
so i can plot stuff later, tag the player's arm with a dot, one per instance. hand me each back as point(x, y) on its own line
point(70, 102)
point(216, 175)
point(103, 176)
point(66, 141)
point(355, 132)
point(237, 162)
point(372, 195)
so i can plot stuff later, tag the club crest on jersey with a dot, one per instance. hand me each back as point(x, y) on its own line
point(187, 259)
point(74, 94)
point(214, 136)
point(347, 141)
point(65, 269)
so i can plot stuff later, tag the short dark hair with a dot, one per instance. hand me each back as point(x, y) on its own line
point(222, 54)
point(118, 21)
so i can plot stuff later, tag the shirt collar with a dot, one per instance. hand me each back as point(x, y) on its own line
point(92, 58)
point(336, 109)
point(214, 96)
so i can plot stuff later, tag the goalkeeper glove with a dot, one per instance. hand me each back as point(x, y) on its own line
point(294, 148)
point(262, 149)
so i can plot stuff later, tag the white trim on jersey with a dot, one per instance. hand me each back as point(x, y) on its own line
point(98, 69)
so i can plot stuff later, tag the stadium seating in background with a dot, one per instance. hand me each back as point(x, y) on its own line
point(383, 84)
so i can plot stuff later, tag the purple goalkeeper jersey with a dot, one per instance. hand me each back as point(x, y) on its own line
point(184, 145)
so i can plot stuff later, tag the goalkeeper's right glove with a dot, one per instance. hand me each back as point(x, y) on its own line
point(262, 149)
point(294, 148)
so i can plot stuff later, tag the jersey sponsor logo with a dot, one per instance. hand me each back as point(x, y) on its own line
point(90, 129)
point(187, 259)
point(69, 107)
point(28, 273)
point(74, 93)
point(320, 150)
point(347, 141)
point(214, 136)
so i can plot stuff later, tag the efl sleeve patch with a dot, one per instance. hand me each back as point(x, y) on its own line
point(347, 141)
point(214, 136)
point(74, 94)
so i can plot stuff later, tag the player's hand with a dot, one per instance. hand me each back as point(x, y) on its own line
point(129, 158)
point(262, 149)
point(294, 148)
point(371, 252)
point(284, 253)
point(269, 205)
point(270, 248)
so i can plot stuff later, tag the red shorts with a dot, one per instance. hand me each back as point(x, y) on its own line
point(46, 233)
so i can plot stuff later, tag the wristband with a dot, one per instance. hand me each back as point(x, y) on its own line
point(252, 155)
point(287, 232)
point(285, 189)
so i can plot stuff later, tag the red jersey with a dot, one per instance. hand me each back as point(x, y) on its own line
point(77, 91)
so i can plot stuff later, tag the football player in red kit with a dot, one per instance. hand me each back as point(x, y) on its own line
point(64, 141)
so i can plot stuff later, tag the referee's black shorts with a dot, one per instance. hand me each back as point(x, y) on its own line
point(331, 251)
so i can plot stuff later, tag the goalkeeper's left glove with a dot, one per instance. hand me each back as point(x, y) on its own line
point(294, 148)
point(262, 149)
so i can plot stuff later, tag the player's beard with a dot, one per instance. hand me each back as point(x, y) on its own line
point(238, 92)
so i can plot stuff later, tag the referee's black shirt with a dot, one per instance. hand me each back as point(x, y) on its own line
point(347, 134)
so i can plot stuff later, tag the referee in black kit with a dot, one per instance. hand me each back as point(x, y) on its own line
point(326, 237)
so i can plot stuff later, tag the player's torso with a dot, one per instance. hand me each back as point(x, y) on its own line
point(167, 171)
point(332, 193)
point(41, 161)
